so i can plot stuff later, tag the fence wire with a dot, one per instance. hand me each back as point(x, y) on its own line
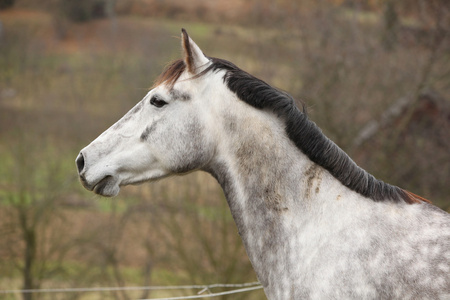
point(237, 288)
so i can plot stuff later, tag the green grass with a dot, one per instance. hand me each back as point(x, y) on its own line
point(199, 30)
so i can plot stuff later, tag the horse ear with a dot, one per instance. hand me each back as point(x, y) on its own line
point(193, 55)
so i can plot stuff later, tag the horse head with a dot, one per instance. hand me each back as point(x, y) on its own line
point(168, 132)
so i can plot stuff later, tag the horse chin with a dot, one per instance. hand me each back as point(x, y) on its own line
point(107, 187)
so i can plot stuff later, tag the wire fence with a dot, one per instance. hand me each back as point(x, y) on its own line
point(205, 290)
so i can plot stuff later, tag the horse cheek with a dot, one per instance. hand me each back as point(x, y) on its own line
point(195, 149)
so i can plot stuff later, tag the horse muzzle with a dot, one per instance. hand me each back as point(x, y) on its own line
point(100, 183)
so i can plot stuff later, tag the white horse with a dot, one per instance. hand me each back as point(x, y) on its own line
point(314, 224)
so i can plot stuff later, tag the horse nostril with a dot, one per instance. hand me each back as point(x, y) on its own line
point(80, 163)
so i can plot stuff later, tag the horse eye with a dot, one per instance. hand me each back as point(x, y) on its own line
point(155, 101)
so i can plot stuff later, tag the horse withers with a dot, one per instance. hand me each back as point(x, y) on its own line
point(314, 224)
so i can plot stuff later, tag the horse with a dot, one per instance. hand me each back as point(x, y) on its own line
point(314, 224)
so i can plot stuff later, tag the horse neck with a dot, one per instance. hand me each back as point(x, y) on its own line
point(274, 191)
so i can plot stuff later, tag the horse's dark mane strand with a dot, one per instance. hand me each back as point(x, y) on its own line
point(306, 135)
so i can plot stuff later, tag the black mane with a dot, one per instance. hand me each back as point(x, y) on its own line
point(306, 135)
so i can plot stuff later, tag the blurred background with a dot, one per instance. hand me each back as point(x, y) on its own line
point(375, 75)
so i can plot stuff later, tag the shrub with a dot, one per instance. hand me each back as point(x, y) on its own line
point(83, 10)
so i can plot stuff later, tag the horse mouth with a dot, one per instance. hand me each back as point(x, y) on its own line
point(101, 187)
point(106, 187)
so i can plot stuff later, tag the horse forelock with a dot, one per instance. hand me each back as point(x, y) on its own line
point(171, 73)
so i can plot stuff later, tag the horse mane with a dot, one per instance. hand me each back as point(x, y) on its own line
point(305, 134)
